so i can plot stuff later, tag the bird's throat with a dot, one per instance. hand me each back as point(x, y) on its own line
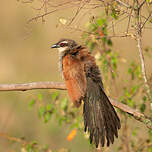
point(61, 55)
point(62, 49)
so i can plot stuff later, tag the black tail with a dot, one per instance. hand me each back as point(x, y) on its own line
point(100, 118)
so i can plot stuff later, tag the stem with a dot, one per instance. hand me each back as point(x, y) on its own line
point(140, 50)
point(139, 45)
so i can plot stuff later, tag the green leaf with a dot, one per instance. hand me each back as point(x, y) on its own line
point(40, 96)
point(150, 135)
point(121, 99)
point(144, 98)
point(105, 65)
point(134, 88)
point(129, 70)
point(41, 111)
point(148, 1)
point(75, 125)
point(114, 15)
point(32, 102)
point(55, 95)
point(104, 39)
point(127, 94)
point(29, 148)
point(132, 143)
point(130, 102)
point(45, 148)
point(142, 107)
point(109, 42)
point(114, 62)
point(47, 117)
point(100, 22)
point(104, 29)
point(134, 132)
point(61, 119)
point(92, 28)
point(49, 107)
point(64, 104)
point(150, 149)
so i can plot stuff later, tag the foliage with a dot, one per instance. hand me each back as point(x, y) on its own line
point(61, 109)
point(97, 40)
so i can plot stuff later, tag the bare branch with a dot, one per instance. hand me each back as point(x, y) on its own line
point(129, 19)
point(61, 86)
point(139, 45)
point(142, 3)
point(78, 10)
point(137, 115)
point(41, 16)
point(57, 8)
point(32, 86)
point(123, 4)
point(147, 19)
point(20, 140)
point(140, 50)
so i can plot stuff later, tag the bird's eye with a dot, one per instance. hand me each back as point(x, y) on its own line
point(62, 44)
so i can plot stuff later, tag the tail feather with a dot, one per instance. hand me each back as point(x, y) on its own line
point(100, 118)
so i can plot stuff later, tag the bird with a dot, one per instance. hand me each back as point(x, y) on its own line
point(84, 84)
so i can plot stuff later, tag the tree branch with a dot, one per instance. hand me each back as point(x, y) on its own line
point(139, 45)
point(123, 4)
point(140, 50)
point(32, 86)
point(61, 86)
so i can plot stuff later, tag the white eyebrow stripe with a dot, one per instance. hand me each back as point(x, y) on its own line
point(64, 42)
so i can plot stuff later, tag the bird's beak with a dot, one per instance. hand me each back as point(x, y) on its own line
point(55, 46)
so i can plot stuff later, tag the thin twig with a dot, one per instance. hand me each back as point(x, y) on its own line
point(113, 28)
point(147, 19)
point(123, 35)
point(120, 2)
point(130, 15)
point(123, 4)
point(52, 11)
point(21, 141)
point(13, 139)
point(78, 11)
point(61, 86)
point(40, 16)
point(142, 3)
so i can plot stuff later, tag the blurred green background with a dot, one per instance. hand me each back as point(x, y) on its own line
point(25, 56)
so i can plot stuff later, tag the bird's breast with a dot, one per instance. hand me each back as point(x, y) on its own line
point(75, 80)
point(70, 67)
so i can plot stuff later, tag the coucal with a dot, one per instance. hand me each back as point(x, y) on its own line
point(84, 83)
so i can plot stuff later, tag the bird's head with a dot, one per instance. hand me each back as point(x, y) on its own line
point(64, 45)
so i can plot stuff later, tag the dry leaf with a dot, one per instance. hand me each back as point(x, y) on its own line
point(63, 21)
point(71, 135)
